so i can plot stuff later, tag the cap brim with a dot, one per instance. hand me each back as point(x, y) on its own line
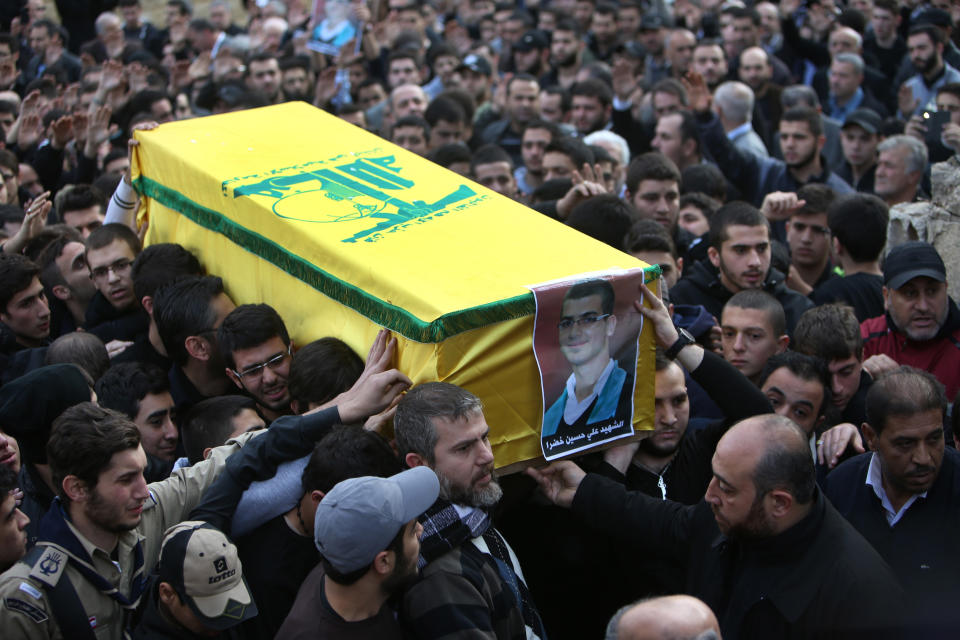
point(903, 278)
point(869, 128)
point(225, 610)
point(420, 489)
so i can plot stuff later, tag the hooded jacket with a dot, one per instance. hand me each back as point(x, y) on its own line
point(702, 286)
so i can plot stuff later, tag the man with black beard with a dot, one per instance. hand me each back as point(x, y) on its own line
point(566, 53)
point(764, 549)
point(296, 79)
point(919, 93)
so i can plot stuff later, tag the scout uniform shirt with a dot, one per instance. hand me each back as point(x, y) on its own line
point(25, 611)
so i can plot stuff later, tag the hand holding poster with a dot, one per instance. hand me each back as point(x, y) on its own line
point(585, 341)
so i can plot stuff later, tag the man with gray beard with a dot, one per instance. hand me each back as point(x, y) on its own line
point(471, 580)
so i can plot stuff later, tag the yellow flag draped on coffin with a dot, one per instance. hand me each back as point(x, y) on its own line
point(343, 232)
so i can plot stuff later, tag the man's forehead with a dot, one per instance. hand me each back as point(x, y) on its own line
point(796, 388)
point(251, 355)
point(451, 428)
point(154, 402)
point(586, 100)
point(407, 92)
point(71, 251)
point(117, 248)
point(493, 169)
point(533, 133)
point(586, 304)
point(742, 234)
point(743, 318)
point(795, 127)
point(264, 65)
point(656, 186)
point(837, 364)
point(669, 122)
point(669, 381)
point(810, 217)
point(557, 157)
point(126, 461)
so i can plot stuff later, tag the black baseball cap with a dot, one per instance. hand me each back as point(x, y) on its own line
point(477, 64)
point(651, 22)
point(867, 119)
point(533, 39)
point(912, 260)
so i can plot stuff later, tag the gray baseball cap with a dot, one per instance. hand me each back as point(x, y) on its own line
point(359, 517)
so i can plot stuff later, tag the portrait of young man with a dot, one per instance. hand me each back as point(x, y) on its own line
point(588, 392)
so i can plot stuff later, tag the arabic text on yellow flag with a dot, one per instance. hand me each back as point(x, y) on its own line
point(343, 232)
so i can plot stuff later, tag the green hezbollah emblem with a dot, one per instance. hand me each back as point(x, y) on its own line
point(354, 190)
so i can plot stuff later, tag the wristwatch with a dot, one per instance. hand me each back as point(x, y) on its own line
point(684, 339)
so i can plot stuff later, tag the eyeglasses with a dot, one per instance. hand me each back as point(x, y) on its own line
point(584, 321)
point(118, 267)
point(254, 371)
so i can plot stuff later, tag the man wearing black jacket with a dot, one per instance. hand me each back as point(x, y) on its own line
point(904, 497)
point(765, 549)
point(738, 259)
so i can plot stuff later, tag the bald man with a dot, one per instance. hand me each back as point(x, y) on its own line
point(764, 549)
point(665, 618)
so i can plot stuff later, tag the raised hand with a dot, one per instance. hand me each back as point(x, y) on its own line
point(780, 205)
point(31, 128)
point(34, 220)
point(905, 100)
point(698, 94)
point(585, 185)
point(624, 80)
point(98, 130)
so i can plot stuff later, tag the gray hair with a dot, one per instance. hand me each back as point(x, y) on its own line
point(614, 139)
point(850, 32)
point(851, 59)
point(413, 422)
point(104, 20)
point(799, 95)
point(917, 151)
point(736, 101)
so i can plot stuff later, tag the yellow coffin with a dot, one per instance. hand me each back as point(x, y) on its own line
point(344, 233)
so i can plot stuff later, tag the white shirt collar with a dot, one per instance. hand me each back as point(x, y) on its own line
point(875, 480)
point(733, 134)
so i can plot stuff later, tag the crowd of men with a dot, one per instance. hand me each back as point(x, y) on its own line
point(173, 465)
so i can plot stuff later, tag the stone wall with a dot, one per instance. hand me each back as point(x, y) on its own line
point(936, 221)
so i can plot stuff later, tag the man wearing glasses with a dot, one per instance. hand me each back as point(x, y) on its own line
point(114, 312)
point(257, 352)
point(592, 392)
